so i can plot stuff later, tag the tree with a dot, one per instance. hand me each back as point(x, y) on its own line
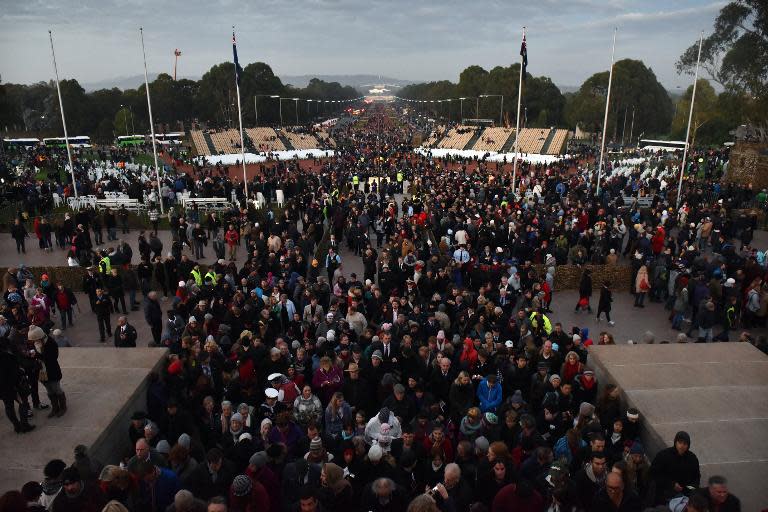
point(735, 56)
point(704, 113)
point(736, 53)
point(634, 86)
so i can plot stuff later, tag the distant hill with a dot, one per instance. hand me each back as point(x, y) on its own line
point(124, 82)
point(357, 81)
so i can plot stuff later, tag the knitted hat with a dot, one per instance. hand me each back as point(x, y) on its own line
point(316, 445)
point(637, 447)
point(241, 485)
point(378, 354)
point(258, 460)
point(185, 440)
point(35, 333)
point(481, 444)
point(553, 377)
point(54, 468)
point(375, 453)
point(586, 409)
point(517, 397)
point(163, 447)
point(491, 418)
point(237, 417)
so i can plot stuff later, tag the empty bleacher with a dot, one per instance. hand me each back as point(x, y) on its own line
point(532, 140)
point(265, 139)
point(493, 139)
point(301, 140)
point(457, 138)
point(226, 141)
point(435, 136)
point(325, 139)
point(201, 146)
point(556, 145)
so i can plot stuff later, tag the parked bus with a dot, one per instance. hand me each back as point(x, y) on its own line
point(131, 140)
point(662, 145)
point(21, 143)
point(80, 141)
point(169, 138)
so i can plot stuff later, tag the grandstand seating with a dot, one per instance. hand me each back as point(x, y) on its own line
point(324, 137)
point(532, 140)
point(301, 140)
point(265, 139)
point(457, 138)
point(557, 145)
point(493, 139)
point(435, 136)
point(226, 141)
point(201, 146)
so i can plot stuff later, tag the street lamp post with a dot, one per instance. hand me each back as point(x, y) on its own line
point(296, 104)
point(281, 109)
point(256, 104)
point(461, 110)
point(125, 119)
point(501, 106)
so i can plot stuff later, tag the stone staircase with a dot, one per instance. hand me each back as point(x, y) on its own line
point(547, 142)
point(509, 145)
point(209, 143)
point(474, 139)
point(284, 140)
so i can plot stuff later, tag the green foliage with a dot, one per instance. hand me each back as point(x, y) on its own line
point(634, 86)
point(735, 55)
point(541, 97)
point(176, 104)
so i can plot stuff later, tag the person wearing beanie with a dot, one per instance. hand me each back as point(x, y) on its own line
point(47, 353)
point(52, 481)
point(185, 501)
point(676, 469)
point(259, 471)
point(638, 468)
point(77, 495)
point(336, 491)
point(246, 494)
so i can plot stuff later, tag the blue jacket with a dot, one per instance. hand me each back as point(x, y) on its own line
point(490, 398)
point(166, 487)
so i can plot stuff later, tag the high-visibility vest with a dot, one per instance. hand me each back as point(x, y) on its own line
point(355, 180)
point(197, 277)
point(105, 265)
point(399, 177)
point(212, 275)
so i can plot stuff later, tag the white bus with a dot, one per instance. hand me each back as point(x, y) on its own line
point(21, 143)
point(662, 145)
point(174, 138)
point(79, 141)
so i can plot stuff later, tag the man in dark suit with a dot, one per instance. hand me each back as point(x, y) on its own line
point(388, 348)
point(125, 334)
point(441, 380)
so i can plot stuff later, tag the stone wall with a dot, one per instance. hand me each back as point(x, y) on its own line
point(567, 277)
point(748, 164)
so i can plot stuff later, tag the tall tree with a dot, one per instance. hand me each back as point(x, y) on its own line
point(735, 54)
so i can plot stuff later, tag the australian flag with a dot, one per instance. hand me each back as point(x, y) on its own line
point(238, 69)
point(523, 54)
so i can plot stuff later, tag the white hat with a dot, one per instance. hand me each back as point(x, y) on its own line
point(274, 376)
point(192, 319)
point(271, 393)
point(509, 344)
point(330, 335)
point(182, 284)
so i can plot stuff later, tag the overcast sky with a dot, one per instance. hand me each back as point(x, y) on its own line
point(424, 40)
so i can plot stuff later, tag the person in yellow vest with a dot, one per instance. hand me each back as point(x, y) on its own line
point(195, 273)
point(105, 265)
point(211, 275)
point(537, 317)
point(400, 181)
point(355, 182)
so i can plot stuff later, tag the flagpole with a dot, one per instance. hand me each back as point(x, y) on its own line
point(517, 129)
point(151, 122)
point(605, 118)
point(63, 119)
point(688, 130)
point(240, 116)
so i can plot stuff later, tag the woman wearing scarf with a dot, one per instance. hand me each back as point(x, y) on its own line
point(328, 379)
point(336, 492)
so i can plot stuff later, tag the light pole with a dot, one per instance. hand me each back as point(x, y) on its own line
point(256, 104)
point(461, 110)
point(296, 104)
point(501, 107)
point(281, 109)
point(125, 119)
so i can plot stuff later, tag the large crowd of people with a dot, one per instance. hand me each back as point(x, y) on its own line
point(439, 379)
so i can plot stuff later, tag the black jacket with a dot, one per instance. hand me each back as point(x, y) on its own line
point(668, 468)
point(130, 336)
point(50, 357)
